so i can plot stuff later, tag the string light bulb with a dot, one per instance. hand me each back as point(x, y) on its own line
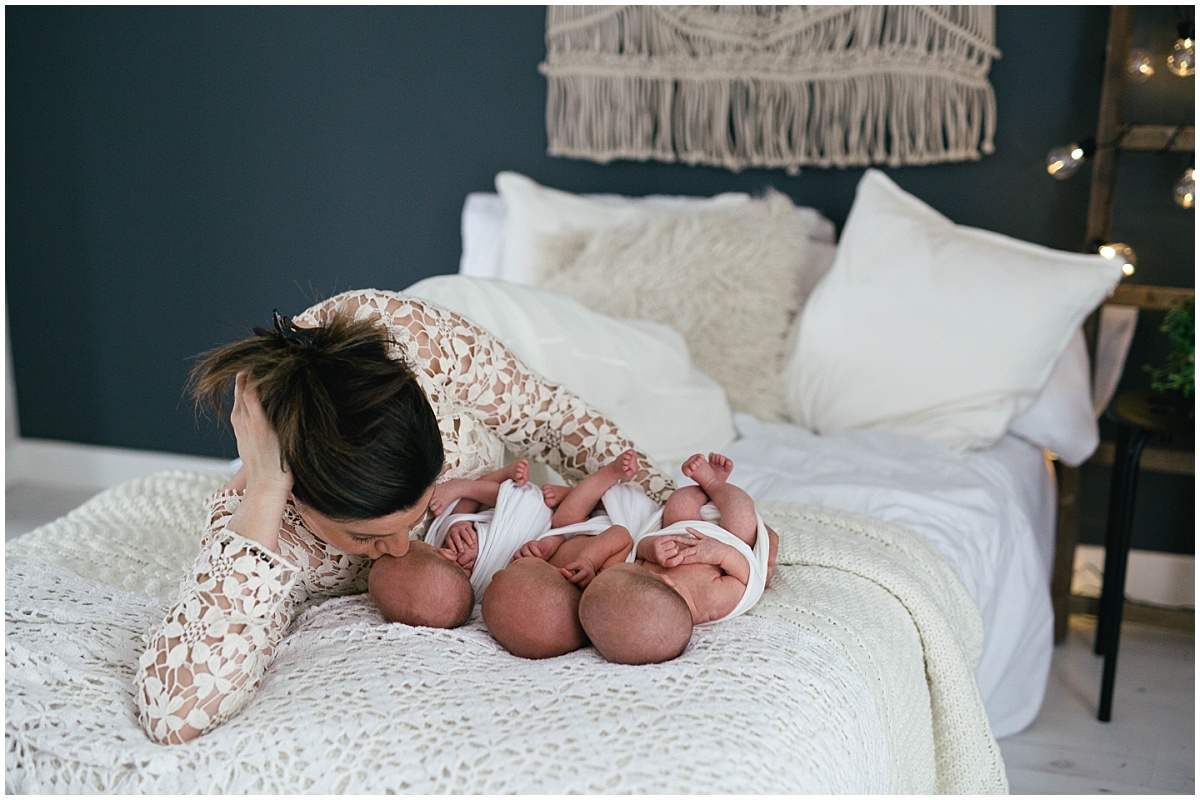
point(1141, 66)
point(1182, 58)
point(1119, 251)
point(1185, 188)
point(1062, 162)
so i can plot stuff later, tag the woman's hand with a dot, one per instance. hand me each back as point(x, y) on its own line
point(268, 481)
point(257, 442)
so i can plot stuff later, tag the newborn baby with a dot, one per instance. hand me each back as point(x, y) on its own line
point(689, 572)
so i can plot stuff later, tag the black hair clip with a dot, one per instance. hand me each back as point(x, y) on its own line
point(290, 332)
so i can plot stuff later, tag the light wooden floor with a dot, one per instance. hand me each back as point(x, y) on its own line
point(1148, 748)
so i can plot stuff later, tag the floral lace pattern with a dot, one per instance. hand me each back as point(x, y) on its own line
point(206, 659)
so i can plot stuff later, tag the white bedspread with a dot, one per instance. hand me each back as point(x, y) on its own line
point(852, 675)
point(989, 512)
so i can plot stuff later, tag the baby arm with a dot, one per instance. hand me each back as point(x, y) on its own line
point(543, 548)
point(609, 547)
point(699, 550)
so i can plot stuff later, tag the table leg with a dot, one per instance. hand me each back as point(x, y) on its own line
point(1116, 558)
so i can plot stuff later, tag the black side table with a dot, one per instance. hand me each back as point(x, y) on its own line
point(1139, 416)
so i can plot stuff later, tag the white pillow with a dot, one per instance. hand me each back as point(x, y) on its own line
point(731, 280)
point(933, 329)
point(482, 232)
point(535, 212)
point(1062, 419)
point(639, 374)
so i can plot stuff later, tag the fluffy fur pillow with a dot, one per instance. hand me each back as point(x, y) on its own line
point(731, 280)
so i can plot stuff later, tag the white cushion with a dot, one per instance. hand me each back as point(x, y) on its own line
point(536, 212)
point(1062, 419)
point(500, 244)
point(933, 329)
point(730, 279)
point(639, 374)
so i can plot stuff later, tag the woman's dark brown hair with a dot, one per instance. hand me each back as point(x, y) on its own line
point(354, 426)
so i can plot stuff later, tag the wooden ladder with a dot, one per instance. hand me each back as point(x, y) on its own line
point(1113, 136)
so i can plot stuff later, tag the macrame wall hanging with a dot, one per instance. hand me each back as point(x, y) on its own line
point(770, 86)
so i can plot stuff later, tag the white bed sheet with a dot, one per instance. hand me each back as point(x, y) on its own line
point(990, 512)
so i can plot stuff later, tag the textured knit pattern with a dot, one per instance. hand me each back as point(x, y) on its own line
point(207, 658)
point(851, 675)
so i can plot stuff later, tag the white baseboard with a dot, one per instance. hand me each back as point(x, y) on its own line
point(91, 466)
point(1161, 579)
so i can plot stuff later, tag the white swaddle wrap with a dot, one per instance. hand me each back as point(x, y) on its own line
point(520, 515)
point(757, 557)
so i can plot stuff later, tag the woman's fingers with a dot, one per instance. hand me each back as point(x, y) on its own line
point(258, 444)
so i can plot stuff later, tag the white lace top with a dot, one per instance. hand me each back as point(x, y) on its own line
point(206, 659)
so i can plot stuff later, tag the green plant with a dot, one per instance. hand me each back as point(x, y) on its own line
point(1179, 373)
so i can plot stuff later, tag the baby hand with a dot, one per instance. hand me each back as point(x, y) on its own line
point(662, 549)
point(537, 549)
point(463, 541)
point(579, 572)
point(698, 550)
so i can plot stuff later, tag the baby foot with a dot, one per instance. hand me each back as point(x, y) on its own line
point(623, 467)
point(723, 465)
point(702, 472)
point(444, 494)
point(553, 494)
point(518, 471)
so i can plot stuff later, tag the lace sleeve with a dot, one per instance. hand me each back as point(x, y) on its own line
point(467, 366)
point(538, 419)
point(205, 661)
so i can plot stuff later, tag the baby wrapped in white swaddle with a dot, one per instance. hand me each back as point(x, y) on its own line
point(757, 557)
point(521, 515)
point(690, 571)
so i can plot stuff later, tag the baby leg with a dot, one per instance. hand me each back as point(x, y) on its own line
point(576, 506)
point(472, 493)
point(683, 505)
point(736, 507)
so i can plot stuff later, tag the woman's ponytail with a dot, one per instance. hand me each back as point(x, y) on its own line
point(354, 426)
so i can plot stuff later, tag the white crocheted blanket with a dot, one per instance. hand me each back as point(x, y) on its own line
point(851, 675)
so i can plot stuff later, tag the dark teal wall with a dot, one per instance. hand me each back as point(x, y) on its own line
point(173, 174)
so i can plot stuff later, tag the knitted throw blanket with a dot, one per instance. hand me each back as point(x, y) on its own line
point(770, 86)
point(851, 675)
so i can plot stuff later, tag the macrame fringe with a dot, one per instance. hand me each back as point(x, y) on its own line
point(746, 86)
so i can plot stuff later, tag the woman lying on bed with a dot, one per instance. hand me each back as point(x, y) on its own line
point(344, 420)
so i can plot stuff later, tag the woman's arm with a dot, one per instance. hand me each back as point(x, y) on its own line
point(536, 419)
point(203, 663)
point(205, 660)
